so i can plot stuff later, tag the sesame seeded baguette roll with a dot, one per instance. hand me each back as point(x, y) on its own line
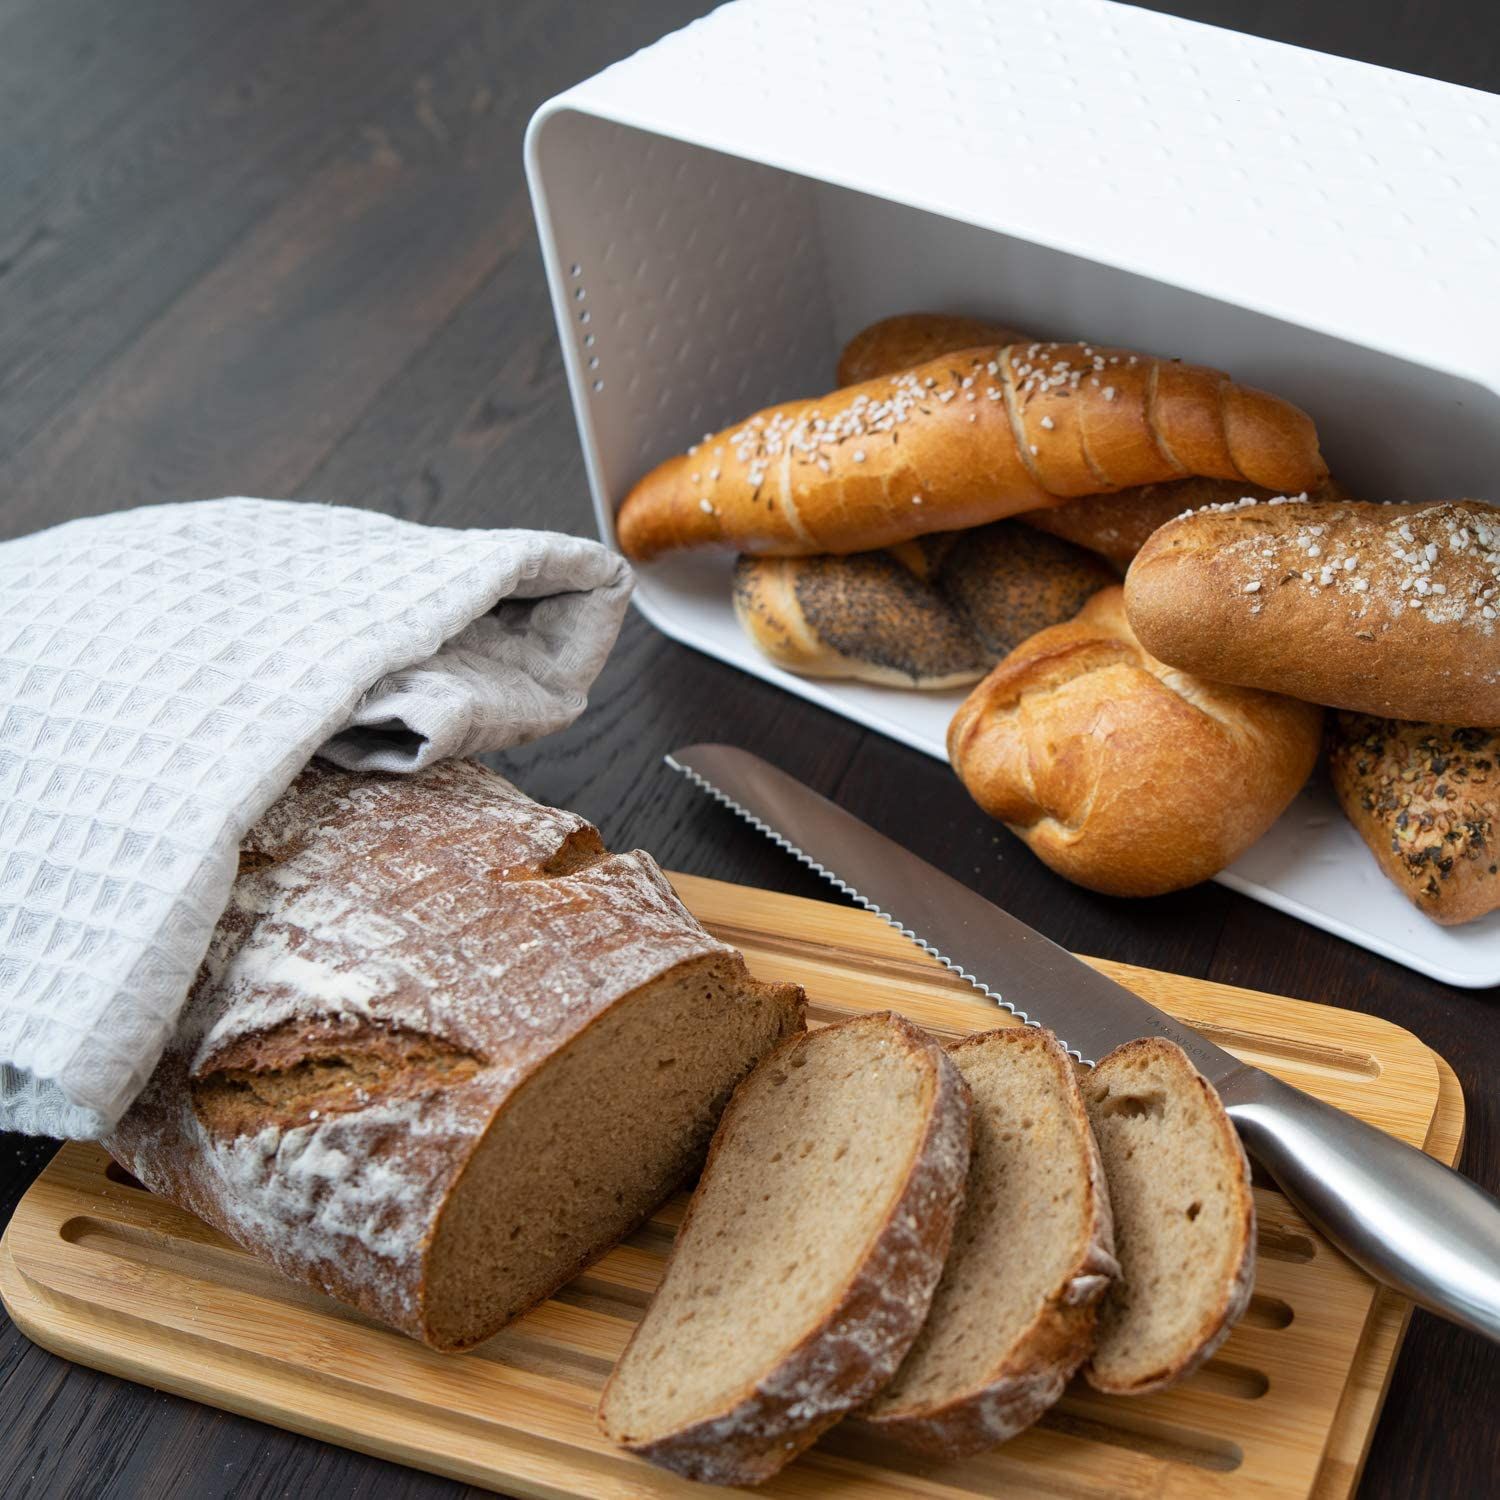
point(964, 439)
point(1391, 610)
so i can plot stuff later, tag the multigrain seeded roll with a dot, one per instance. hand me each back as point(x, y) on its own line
point(1391, 610)
point(865, 616)
point(1425, 798)
point(1007, 582)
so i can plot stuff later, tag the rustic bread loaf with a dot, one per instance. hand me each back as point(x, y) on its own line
point(1382, 609)
point(1123, 774)
point(864, 616)
point(1032, 1255)
point(908, 339)
point(808, 1257)
point(1007, 582)
point(444, 1049)
point(1179, 1184)
point(964, 439)
point(1426, 799)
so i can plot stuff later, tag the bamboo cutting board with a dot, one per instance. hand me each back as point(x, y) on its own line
point(100, 1271)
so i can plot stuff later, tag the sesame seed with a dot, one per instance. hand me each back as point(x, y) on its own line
point(1253, 587)
point(1361, 585)
point(1033, 448)
point(706, 506)
point(1109, 393)
point(916, 499)
point(859, 455)
point(1048, 423)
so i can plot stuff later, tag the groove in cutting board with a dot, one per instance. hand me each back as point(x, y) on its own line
point(98, 1269)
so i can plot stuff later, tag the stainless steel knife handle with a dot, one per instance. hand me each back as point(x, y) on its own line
point(1403, 1217)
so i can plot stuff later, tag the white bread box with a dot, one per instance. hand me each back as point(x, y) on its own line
point(721, 211)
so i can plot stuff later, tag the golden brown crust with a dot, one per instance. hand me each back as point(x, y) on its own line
point(1426, 799)
point(1007, 582)
point(1123, 774)
point(864, 616)
point(1030, 1375)
point(909, 339)
point(858, 1346)
point(1391, 610)
point(1219, 1316)
point(964, 439)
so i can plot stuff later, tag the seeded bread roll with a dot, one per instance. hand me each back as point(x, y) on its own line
point(1425, 798)
point(1122, 773)
point(1389, 610)
point(864, 616)
point(1179, 1185)
point(962, 440)
point(444, 1049)
point(1007, 582)
point(1014, 1314)
point(808, 1257)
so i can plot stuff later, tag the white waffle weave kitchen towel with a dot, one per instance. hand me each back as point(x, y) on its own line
point(166, 672)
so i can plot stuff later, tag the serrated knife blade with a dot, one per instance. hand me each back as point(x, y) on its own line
point(998, 954)
point(1405, 1218)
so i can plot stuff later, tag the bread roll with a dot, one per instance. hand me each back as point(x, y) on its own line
point(1121, 773)
point(1425, 798)
point(908, 339)
point(864, 616)
point(444, 1050)
point(959, 441)
point(1389, 610)
point(1007, 582)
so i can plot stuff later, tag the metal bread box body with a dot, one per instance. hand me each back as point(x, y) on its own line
point(719, 212)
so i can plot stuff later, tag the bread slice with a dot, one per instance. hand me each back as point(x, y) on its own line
point(808, 1257)
point(1014, 1314)
point(1179, 1183)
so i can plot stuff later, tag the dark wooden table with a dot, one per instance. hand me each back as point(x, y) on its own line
point(283, 247)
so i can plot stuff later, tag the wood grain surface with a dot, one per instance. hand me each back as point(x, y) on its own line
point(284, 248)
point(96, 1269)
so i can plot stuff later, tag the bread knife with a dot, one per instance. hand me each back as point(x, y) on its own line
point(1406, 1219)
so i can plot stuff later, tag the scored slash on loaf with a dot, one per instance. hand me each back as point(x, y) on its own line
point(964, 439)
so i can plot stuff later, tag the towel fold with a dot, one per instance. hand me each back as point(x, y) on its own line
point(164, 675)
